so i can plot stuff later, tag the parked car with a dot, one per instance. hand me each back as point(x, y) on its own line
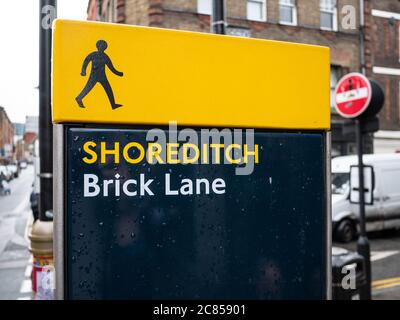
point(5, 188)
point(6, 172)
point(385, 211)
point(13, 169)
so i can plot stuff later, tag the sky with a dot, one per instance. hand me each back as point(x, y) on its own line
point(19, 52)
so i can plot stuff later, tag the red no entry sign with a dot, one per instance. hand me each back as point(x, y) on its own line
point(353, 95)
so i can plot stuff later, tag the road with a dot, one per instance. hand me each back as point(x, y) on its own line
point(15, 215)
point(385, 257)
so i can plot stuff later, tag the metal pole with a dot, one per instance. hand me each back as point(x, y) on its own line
point(99, 9)
point(46, 16)
point(363, 247)
point(218, 19)
point(362, 40)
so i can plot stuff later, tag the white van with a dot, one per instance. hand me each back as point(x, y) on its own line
point(384, 213)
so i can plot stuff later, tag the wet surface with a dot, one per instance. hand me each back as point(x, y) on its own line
point(261, 239)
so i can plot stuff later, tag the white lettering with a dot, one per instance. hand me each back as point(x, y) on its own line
point(206, 184)
point(125, 188)
point(144, 186)
point(90, 181)
point(105, 187)
point(218, 183)
point(187, 187)
point(168, 190)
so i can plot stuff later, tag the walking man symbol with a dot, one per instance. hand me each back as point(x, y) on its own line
point(98, 74)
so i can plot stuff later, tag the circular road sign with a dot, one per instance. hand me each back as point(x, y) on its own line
point(352, 95)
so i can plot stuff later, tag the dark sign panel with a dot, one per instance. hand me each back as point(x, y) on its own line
point(136, 230)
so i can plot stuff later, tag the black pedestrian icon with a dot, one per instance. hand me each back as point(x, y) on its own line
point(99, 61)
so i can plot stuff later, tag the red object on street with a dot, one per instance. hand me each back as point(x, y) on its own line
point(352, 95)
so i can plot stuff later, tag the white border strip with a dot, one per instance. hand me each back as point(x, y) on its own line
point(385, 14)
point(386, 71)
point(328, 170)
point(58, 194)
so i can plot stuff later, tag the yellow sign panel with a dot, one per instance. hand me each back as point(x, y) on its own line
point(119, 74)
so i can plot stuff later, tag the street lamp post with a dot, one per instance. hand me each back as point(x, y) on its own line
point(41, 233)
point(45, 124)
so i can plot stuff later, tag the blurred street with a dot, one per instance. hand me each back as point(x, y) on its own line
point(385, 257)
point(15, 215)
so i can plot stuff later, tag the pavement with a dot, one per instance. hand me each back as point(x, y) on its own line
point(385, 257)
point(15, 259)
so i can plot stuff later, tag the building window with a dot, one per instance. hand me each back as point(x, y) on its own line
point(111, 11)
point(238, 32)
point(288, 12)
point(328, 15)
point(257, 10)
point(204, 6)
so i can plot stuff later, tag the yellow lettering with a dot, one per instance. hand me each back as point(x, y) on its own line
point(126, 152)
point(228, 153)
point(171, 152)
point(153, 151)
point(247, 153)
point(104, 152)
point(186, 148)
point(90, 152)
point(205, 154)
point(217, 148)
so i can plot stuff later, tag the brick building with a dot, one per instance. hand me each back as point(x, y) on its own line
point(383, 65)
point(30, 137)
point(6, 137)
point(321, 22)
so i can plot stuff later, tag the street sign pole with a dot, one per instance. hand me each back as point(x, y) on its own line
point(359, 98)
point(363, 247)
point(218, 23)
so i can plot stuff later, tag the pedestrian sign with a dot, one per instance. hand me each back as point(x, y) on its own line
point(207, 76)
point(99, 61)
point(189, 165)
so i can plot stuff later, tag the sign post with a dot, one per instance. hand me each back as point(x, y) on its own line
point(360, 99)
point(172, 184)
point(363, 246)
